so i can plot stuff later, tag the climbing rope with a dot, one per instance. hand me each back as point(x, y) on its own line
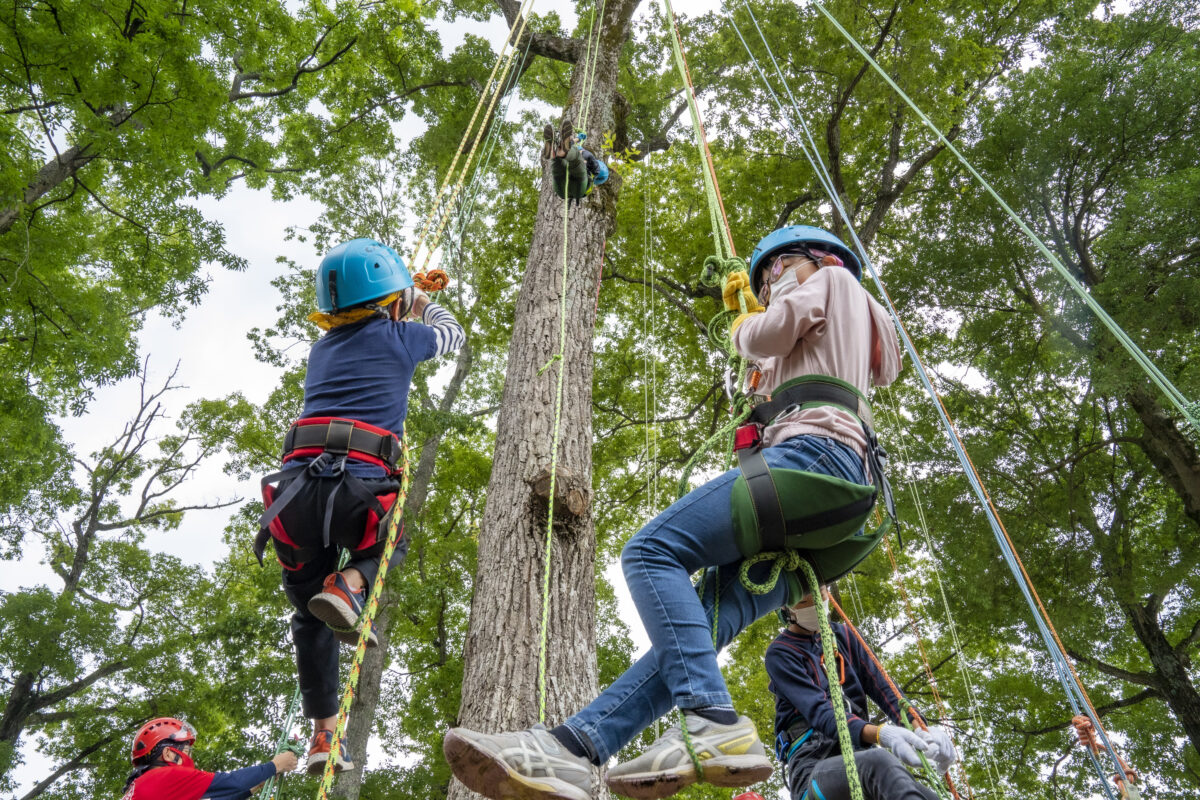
point(992, 771)
point(365, 620)
point(1186, 408)
point(828, 646)
point(906, 714)
point(722, 238)
point(560, 357)
point(274, 784)
point(716, 267)
point(1072, 685)
point(440, 209)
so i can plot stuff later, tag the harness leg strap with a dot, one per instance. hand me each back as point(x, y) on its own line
point(764, 498)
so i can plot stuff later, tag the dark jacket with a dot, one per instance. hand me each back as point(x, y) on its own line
point(805, 724)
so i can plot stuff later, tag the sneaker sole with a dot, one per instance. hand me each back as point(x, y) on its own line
point(332, 610)
point(316, 765)
point(482, 772)
point(734, 772)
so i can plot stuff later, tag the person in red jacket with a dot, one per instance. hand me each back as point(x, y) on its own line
point(163, 768)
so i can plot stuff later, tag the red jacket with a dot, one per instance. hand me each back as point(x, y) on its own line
point(177, 782)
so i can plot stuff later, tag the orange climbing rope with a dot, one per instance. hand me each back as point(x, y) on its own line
point(915, 715)
point(1087, 737)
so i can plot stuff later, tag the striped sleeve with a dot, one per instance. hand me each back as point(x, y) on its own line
point(449, 335)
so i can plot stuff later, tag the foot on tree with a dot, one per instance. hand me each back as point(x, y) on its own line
point(525, 765)
point(730, 755)
point(548, 142)
point(566, 138)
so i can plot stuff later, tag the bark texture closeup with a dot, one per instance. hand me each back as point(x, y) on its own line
point(500, 683)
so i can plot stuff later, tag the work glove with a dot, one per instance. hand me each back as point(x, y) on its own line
point(941, 749)
point(903, 744)
point(739, 283)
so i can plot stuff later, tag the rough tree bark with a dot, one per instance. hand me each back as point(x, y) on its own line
point(500, 680)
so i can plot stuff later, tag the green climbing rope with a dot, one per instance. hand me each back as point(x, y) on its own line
point(829, 646)
point(274, 784)
point(365, 620)
point(1188, 409)
point(560, 357)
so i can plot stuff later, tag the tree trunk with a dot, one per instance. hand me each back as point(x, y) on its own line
point(1170, 668)
point(500, 681)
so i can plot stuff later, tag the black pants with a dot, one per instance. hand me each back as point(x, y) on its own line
point(316, 647)
point(883, 778)
point(573, 166)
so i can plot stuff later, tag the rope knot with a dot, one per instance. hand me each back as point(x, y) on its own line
point(716, 268)
point(433, 281)
point(789, 560)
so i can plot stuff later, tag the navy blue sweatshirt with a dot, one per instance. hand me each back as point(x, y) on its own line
point(797, 679)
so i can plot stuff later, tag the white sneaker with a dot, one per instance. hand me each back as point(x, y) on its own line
point(730, 755)
point(527, 765)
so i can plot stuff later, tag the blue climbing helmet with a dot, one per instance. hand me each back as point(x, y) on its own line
point(799, 237)
point(357, 272)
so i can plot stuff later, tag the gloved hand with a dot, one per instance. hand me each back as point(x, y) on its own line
point(739, 283)
point(903, 744)
point(941, 749)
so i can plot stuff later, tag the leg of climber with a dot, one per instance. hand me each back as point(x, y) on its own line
point(568, 164)
point(316, 658)
point(883, 778)
point(680, 670)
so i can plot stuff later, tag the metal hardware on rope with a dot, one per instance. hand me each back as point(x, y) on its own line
point(365, 621)
point(275, 782)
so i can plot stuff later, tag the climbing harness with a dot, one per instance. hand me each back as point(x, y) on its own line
point(329, 442)
point(1069, 679)
point(366, 619)
point(818, 517)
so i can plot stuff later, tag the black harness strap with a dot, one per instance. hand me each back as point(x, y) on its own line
point(764, 495)
point(341, 437)
point(764, 498)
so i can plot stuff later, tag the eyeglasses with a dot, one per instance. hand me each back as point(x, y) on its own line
point(776, 271)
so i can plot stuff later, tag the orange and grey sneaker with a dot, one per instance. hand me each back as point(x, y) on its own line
point(318, 754)
point(341, 609)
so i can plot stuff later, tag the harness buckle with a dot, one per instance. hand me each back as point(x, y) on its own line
point(748, 435)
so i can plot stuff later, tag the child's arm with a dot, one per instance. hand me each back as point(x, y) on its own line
point(792, 673)
point(448, 333)
point(239, 782)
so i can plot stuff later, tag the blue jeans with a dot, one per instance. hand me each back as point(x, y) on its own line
point(695, 533)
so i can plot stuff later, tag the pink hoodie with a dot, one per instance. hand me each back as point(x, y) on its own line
point(820, 327)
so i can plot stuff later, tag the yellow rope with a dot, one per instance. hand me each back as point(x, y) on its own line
point(505, 56)
point(364, 623)
point(432, 245)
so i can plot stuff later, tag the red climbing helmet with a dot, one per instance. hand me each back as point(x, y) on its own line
point(158, 731)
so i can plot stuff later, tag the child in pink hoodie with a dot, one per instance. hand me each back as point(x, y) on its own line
point(805, 315)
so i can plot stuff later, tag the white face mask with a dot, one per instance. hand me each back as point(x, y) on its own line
point(805, 617)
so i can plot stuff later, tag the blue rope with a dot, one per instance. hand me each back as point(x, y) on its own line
point(1058, 659)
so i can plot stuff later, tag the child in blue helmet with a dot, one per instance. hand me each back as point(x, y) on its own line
point(574, 170)
point(340, 460)
point(806, 313)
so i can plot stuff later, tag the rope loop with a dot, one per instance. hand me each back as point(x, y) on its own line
point(433, 281)
point(784, 559)
point(716, 268)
